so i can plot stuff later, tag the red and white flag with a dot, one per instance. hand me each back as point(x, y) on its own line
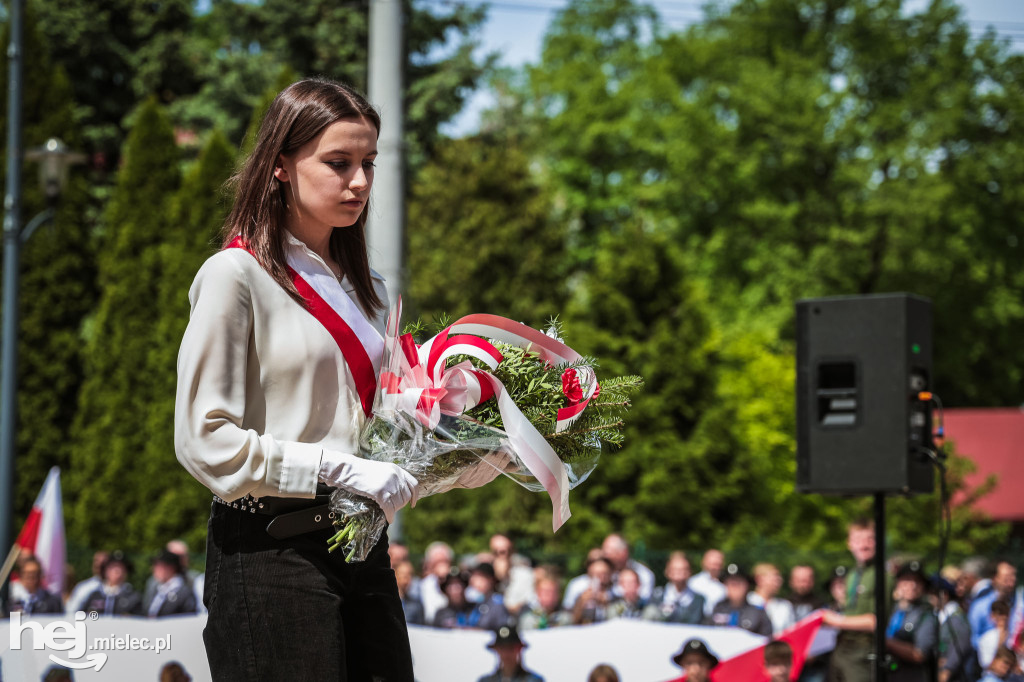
point(43, 532)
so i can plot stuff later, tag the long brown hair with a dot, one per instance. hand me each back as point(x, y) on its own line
point(258, 216)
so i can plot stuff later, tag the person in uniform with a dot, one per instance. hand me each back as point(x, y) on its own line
point(911, 636)
point(509, 649)
point(34, 598)
point(735, 610)
point(116, 596)
point(955, 652)
point(696, 661)
point(676, 602)
point(851, 659)
point(173, 595)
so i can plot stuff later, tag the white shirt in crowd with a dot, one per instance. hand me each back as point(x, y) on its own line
point(779, 611)
point(712, 590)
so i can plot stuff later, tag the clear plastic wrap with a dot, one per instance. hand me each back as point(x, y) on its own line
point(457, 453)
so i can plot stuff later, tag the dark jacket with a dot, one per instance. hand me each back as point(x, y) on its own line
point(180, 599)
point(688, 608)
point(127, 602)
point(43, 601)
point(747, 616)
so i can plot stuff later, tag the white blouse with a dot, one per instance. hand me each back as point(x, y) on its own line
point(263, 388)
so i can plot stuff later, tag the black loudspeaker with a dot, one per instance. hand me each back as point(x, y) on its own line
point(862, 362)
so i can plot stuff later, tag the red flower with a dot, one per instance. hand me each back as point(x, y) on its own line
point(571, 386)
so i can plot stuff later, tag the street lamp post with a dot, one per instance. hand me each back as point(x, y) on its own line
point(54, 159)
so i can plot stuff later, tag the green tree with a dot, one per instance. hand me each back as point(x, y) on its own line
point(178, 504)
point(109, 507)
point(117, 53)
point(246, 44)
point(486, 242)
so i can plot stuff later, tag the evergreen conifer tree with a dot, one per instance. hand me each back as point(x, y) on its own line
point(112, 438)
point(179, 505)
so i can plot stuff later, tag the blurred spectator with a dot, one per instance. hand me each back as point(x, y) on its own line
point(399, 553)
point(437, 564)
point(855, 641)
point(836, 588)
point(912, 632)
point(676, 602)
point(616, 550)
point(803, 595)
point(767, 583)
point(629, 603)
point(578, 585)
point(708, 583)
point(955, 652)
point(172, 595)
point(194, 580)
point(1003, 582)
point(174, 672)
point(778, 661)
point(975, 579)
point(58, 673)
point(489, 612)
point(513, 571)
point(115, 596)
point(544, 610)
point(456, 613)
point(735, 610)
point(180, 547)
point(1001, 667)
point(991, 640)
point(696, 661)
point(87, 586)
point(404, 574)
point(509, 649)
point(33, 598)
point(592, 605)
point(603, 673)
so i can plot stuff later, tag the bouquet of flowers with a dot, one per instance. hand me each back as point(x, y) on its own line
point(486, 396)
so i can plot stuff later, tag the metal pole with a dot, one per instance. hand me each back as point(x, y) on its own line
point(12, 247)
point(387, 219)
point(881, 598)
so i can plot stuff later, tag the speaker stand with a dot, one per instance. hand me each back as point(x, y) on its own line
point(881, 622)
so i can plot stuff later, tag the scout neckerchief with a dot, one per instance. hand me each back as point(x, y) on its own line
point(360, 344)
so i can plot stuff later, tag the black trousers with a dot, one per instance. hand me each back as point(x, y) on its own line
point(289, 610)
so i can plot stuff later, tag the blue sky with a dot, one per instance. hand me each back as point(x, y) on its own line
point(515, 28)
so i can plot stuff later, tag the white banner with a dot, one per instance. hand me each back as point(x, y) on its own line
point(136, 649)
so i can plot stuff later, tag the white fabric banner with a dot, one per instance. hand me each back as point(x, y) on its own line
point(639, 650)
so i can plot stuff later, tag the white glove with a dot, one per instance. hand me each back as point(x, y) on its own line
point(389, 485)
point(484, 471)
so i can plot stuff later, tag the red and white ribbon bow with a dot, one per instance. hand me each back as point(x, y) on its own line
point(417, 382)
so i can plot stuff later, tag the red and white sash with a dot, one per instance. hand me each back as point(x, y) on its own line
point(360, 344)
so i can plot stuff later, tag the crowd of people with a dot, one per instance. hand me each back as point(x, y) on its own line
point(172, 588)
point(961, 624)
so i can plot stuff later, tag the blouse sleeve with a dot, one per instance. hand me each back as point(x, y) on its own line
point(209, 439)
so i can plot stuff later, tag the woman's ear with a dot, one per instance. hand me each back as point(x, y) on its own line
point(279, 170)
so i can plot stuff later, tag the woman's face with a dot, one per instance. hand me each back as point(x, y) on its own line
point(327, 181)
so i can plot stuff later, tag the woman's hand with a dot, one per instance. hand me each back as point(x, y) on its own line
point(389, 485)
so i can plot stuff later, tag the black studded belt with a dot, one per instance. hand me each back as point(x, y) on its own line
point(291, 515)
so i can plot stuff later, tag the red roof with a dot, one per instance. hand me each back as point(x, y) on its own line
point(993, 438)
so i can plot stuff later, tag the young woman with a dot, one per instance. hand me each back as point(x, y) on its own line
point(276, 376)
